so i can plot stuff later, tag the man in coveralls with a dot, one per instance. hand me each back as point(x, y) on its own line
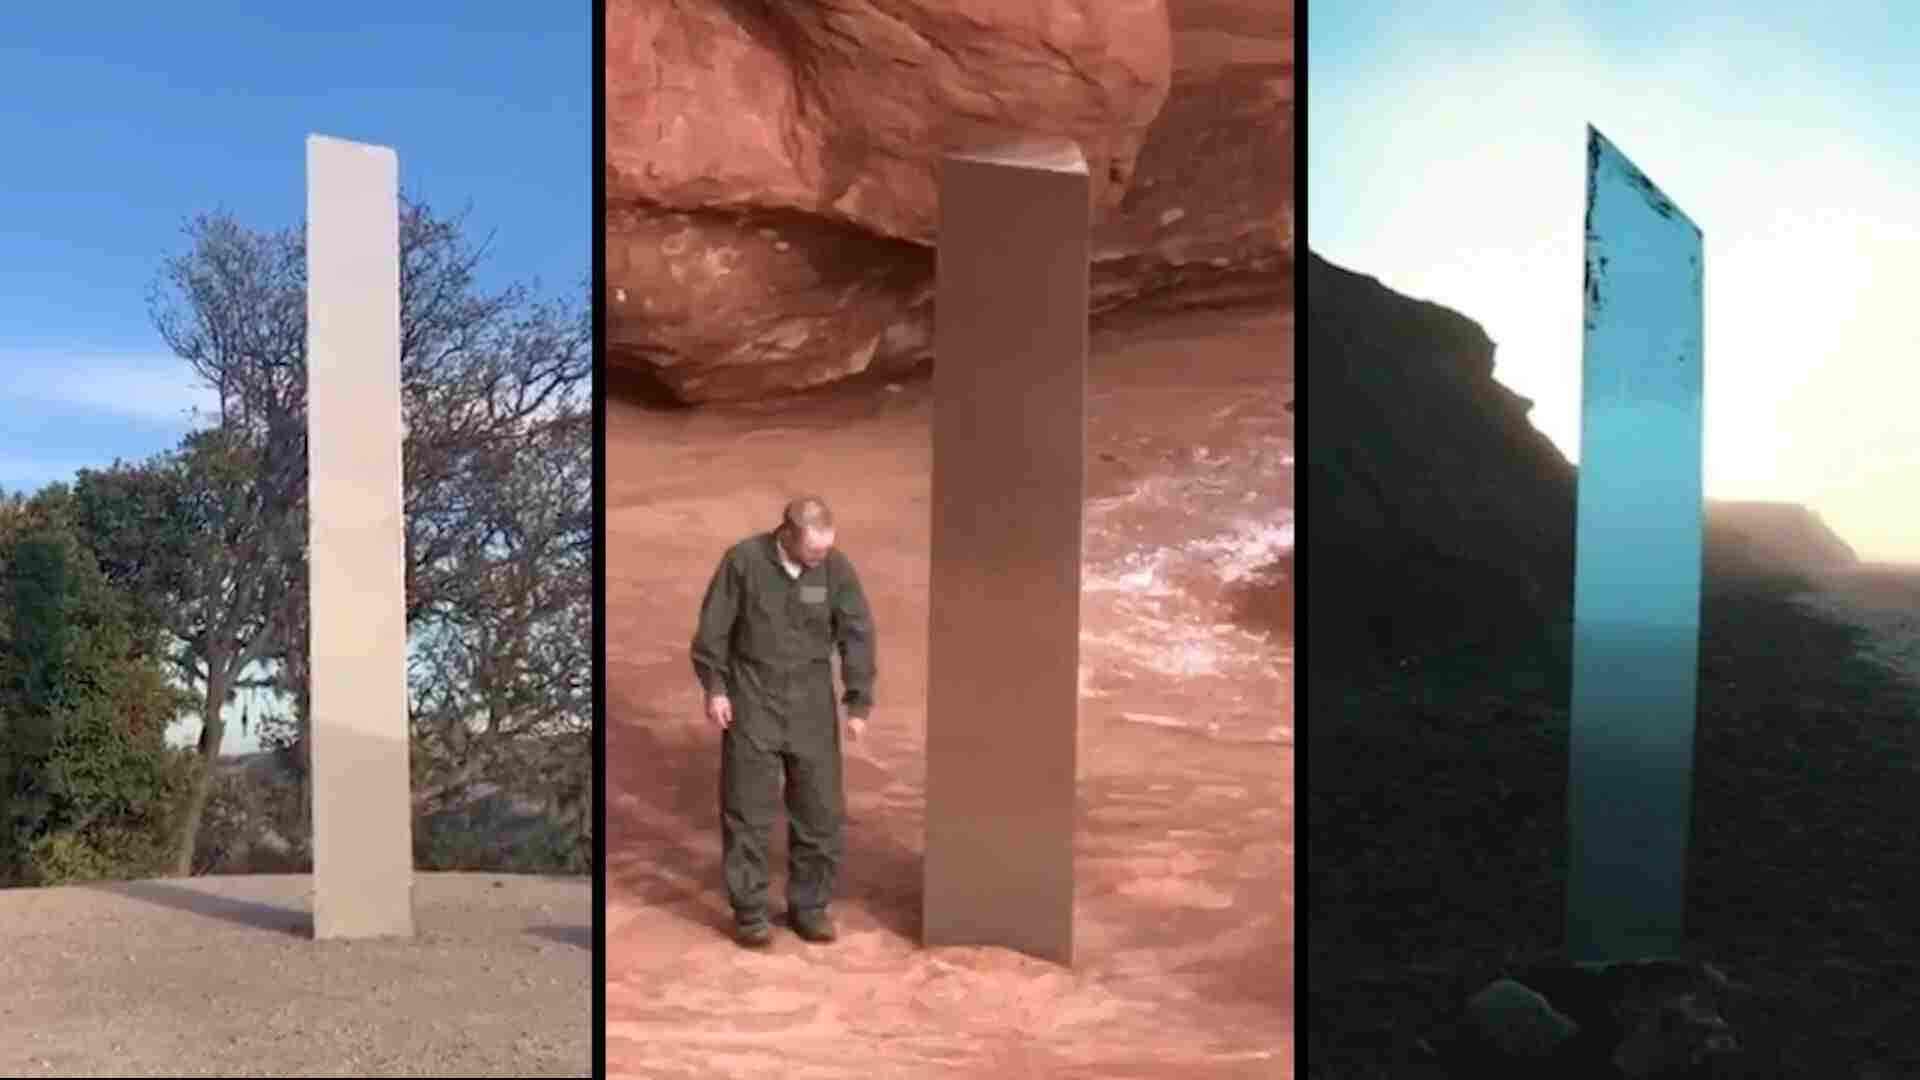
point(777, 607)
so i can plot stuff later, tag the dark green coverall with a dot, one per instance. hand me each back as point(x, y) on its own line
point(766, 641)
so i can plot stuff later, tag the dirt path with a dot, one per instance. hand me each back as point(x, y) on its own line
point(219, 976)
point(1185, 906)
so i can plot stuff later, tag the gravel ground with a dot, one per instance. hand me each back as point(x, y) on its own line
point(220, 976)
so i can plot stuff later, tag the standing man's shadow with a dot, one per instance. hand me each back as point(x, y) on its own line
point(663, 829)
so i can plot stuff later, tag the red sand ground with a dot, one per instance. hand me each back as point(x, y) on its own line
point(1184, 917)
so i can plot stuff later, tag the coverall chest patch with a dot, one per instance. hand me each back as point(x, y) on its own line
point(813, 594)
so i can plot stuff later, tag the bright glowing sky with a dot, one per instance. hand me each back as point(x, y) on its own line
point(1446, 158)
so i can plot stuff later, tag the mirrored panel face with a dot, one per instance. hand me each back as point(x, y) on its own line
point(1637, 578)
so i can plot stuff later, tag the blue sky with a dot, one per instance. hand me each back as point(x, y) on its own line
point(1445, 157)
point(119, 124)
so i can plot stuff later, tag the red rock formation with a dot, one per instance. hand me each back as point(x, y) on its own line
point(770, 166)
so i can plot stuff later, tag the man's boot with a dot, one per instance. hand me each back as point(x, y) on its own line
point(753, 933)
point(813, 924)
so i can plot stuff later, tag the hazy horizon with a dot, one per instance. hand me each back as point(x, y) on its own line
point(1447, 159)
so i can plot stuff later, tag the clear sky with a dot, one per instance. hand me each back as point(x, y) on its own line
point(118, 123)
point(1446, 157)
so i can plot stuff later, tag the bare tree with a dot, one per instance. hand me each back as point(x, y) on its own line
point(502, 685)
point(487, 379)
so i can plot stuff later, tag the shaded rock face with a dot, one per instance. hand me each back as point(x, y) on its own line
point(1209, 217)
point(1437, 516)
point(738, 307)
point(771, 167)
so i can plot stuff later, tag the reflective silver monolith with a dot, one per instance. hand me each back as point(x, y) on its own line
point(1637, 578)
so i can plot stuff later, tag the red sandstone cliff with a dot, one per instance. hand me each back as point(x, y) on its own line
point(770, 167)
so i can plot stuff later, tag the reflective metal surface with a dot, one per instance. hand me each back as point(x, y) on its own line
point(1637, 578)
point(362, 813)
point(1009, 437)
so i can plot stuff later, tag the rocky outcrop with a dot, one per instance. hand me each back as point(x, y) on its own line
point(1437, 516)
point(1209, 216)
point(771, 167)
point(1639, 1020)
point(1780, 535)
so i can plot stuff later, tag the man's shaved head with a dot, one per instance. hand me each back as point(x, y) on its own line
point(808, 528)
point(808, 514)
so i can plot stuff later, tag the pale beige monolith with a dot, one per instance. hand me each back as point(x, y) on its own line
point(362, 810)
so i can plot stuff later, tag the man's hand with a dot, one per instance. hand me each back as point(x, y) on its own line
point(720, 711)
point(856, 727)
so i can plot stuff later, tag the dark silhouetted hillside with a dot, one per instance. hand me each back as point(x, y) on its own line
point(1439, 519)
point(1437, 516)
point(1779, 535)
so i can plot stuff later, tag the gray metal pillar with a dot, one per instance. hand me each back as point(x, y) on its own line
point(1009, 439)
